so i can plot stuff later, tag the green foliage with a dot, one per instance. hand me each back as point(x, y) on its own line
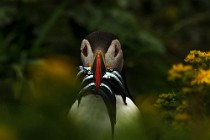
point(6, 15)
point(39, 48)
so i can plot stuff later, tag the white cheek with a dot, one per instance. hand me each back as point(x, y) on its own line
point(109, 59)
point(114, 62)
point(87, 60)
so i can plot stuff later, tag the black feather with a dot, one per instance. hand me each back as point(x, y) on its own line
point(100, 40)
point(125, 84)
point(110, 105)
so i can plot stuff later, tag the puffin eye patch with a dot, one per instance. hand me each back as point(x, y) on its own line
point(84, 51)
point(116, 51)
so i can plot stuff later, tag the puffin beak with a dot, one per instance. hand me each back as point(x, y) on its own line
point(98, 68)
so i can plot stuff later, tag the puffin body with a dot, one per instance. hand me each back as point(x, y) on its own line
point(104, 109)
point(92, 117)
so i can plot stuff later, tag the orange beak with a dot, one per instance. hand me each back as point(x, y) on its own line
point(98, 69)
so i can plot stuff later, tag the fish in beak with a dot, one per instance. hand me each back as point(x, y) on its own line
point(98, 68)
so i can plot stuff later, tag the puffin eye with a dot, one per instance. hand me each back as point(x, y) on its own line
point(116, 51)
point(84, 51)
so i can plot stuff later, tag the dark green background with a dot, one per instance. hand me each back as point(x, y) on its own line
point(154, 34)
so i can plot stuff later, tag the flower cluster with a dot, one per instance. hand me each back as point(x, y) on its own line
point(167, 101)
point(179, 71)
point(192, 83)
point(195, 72)
point(200, 58)
point(203, 77)
point(183, 116)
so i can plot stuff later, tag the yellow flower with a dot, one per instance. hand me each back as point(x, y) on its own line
point(208, 54)
point(182, 116)
point(52, 67)
point(198, 60)
point(181, 68)
point(186, 89)
point(166, 100)
point(7, 132)
point(167, 95)
point(191, 56)
point(177, 70)
point(201, 54)
point(202, 77)
point(198, 57)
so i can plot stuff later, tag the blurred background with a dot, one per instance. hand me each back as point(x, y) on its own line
point(39, 53)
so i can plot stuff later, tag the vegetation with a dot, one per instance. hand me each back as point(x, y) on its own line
point(39, 52)
point(189, 105)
